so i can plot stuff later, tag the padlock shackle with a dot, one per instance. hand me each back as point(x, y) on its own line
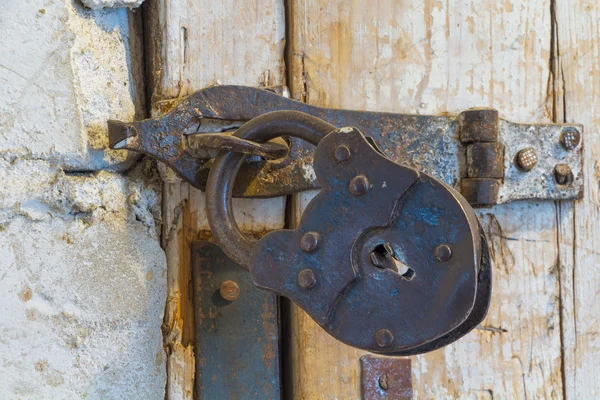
point(226, 165)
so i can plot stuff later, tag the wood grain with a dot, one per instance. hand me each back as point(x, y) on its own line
point(192, 44)
point(577, 73)
point(437, 57)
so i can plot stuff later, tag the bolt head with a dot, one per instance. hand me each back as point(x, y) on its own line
point(229, 290)
point(309, 241)
point(384, 338)
point(443, 253)
point(570, 138)
point(359, 185)
point(527, 159)
point(342, 153)
point(563, 174)
point(307, 279)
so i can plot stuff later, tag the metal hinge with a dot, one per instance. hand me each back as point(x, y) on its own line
point(507, 161)
point(491, 160)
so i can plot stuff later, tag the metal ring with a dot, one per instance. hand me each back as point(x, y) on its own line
point(226, 166)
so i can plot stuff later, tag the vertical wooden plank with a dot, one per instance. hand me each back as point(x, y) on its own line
point(191, 44)
point(435, 57)
point(578, 99)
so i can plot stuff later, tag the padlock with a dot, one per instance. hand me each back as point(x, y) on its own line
point(385, 258)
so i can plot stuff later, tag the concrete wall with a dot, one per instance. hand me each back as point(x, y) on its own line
point(82, 274)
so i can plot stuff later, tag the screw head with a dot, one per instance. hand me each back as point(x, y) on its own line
point(309, 241)
point(342, 153)
point(570, 138)
point(527, 159)
point(384, 338)
point(359, 185)
point(443, 253)
point(383, 382)
point(563, 174)
point(229, 290)
point(306, 279)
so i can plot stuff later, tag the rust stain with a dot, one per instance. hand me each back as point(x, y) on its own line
point(66, 238)
point(25, 294)
point(186, 296)
point(269, 324)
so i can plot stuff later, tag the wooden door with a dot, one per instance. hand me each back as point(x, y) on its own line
point(534, 61)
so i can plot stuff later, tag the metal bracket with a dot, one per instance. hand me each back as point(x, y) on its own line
point(237, 336)
point(386, 378)
point(491, 160)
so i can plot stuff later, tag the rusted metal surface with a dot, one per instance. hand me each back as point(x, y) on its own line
point(485, 170)
point(200, 146)
point(385, 378)
point(539, 183)
point(485, 160)
point(480, 191)
point(478, 125)
point(432, 144)
point(237, 338)
point(326, 265)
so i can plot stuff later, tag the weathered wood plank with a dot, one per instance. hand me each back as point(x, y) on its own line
point(191, 44)
point(435, 57)
point(578, 99)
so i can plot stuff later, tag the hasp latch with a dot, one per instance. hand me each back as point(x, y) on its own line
point(490, 160)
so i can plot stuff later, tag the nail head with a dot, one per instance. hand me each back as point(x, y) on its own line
point(527, 159)
point(570, 138)
point(306, 279)
point(342, 153)
point(563, 174)
point(359, 185)
point(384, 338)
point(229, 290)
point(443, 253)
point(309, 241)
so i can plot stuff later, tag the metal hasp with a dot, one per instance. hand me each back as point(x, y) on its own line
point(477, 152)
point(385, 378)
point(385, 258)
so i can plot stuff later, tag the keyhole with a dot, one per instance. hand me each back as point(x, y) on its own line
point(383, 256)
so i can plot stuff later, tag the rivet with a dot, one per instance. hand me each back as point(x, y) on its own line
point(383, 382)
point(443, 253)
point(527, 159)
point(570, 138)
point(229, 290)
point(359, 185)
point(563, 174)
point(342, 153)
point(384, 338)
point(306, 279)
point(309, 241)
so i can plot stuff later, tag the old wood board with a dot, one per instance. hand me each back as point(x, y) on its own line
point(534, 61)
point(438, 57)
point(190, 45)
